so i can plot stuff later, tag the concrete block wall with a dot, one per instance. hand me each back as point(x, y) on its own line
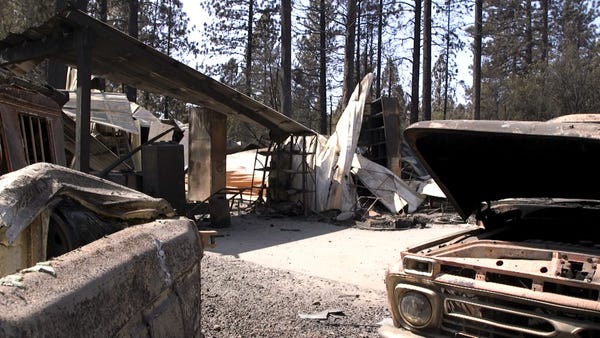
point(143, 281)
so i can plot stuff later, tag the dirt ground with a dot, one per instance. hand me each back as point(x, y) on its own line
point(244, 299)
point(267, 273)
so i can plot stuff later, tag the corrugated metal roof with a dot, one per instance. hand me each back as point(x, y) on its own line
point(123, 59)
point(109, 109)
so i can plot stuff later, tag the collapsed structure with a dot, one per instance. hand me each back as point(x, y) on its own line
point(305, 169)
point(47, 209)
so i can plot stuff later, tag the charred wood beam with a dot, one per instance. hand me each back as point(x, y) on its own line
point(84, 86)
point(52, 46)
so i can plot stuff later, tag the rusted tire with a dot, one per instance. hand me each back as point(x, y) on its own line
point(62, 237)
point(72, 225)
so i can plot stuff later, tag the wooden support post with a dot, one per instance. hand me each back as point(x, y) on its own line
point(218, 206)
point(207, 164)
point(84, 86)
point(199, 176)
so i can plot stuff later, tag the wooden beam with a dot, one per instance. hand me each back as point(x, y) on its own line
point(199, 162)
point(84, 86)
point(218, 206)
point(57, 43)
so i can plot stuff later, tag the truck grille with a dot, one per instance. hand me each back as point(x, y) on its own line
point(470, 315)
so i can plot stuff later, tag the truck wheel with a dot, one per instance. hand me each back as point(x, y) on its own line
point(61, 237)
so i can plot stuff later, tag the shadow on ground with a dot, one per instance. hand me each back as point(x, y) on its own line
point(253, 232)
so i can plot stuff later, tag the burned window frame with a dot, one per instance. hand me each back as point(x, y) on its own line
point(36, 134)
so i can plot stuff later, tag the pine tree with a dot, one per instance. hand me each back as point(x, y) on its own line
point(165, 27)
point(312, 73)
point(535, 51)
point(416, 61)
point(350, 76)
point(18, 15)
point(575, 85)
point(267, 58)
point(286, 57)
point(452, 44)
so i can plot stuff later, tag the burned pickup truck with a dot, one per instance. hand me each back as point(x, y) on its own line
point(135, 269)
point(528, 267)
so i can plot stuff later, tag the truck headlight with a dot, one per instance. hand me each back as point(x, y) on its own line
point(421, 266)
point(415, 308)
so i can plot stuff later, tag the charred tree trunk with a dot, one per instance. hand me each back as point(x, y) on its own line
point(544, 33)
point(249, 49)
point(286, 57)
point(379, 47)
point(447, 65)
point(132, 30)
point(427, 60)
point(322, 69)
point(414, 100)
point(477, 60)
point(349, 78)
point(358, 36)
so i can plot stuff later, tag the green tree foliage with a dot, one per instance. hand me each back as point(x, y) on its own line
point(162, 25)
point(227, 32)
point(247, 33)
point(445, 68)
point(392, 87)
point(540, 62)
point(439, 92)
point(17, 15)
point(540, 57)
point(309, 100)
point(305, 85)
point(267, 59)
point(165, 27)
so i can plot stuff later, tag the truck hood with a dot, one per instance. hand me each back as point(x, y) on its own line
point(485, 161)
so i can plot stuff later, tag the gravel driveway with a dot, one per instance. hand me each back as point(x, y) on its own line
point(244, 299)
point(265, 274)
